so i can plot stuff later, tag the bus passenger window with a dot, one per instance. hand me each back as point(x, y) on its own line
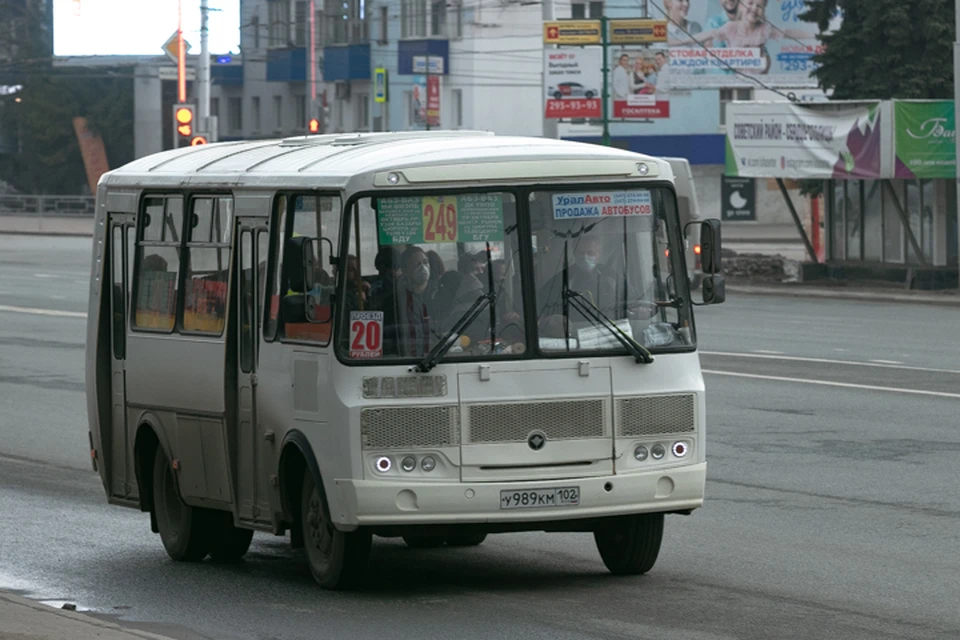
point(158, 267)
point(208, 265)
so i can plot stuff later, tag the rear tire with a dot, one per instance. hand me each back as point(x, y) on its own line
point(424, 542)
point(629, 545)
point(183, 529)
point(228, 543)
point(466, 540)
point(337, 559)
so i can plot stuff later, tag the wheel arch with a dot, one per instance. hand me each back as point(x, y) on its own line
point(296, 458)
point(149, 438)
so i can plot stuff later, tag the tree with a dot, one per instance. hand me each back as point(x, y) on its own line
point(886, 48)
point(39, 151)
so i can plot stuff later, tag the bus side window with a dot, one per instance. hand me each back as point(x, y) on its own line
point(158, 263)
point(315, 219)
point(210, 227)
point(278, 232)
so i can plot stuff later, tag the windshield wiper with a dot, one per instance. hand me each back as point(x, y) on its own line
point(440, 349)
point(597, 318)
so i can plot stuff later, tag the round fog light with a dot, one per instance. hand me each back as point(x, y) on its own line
point(408, 464)
point(679, 449)
point(658, 451)
point(640, 453)
point(428, 463)
point(642, 168)
point(383, 464)
point(393, 178)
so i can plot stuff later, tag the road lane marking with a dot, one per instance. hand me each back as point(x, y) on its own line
point(887, 361)
point(768, 353)
point(43, 312)
point(45, 275)
point(879, 364)
point(827, 383)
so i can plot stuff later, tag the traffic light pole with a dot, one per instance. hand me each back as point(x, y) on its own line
point(605, 70)
point(203, 69)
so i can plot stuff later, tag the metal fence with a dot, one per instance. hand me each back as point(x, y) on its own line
point(47, 206)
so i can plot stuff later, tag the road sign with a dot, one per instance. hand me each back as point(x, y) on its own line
point(172, 47)
point(739, 196)
point(380, 84)
point(637, 31)
point(420, 65)
point(170, 73)
point(572, 32)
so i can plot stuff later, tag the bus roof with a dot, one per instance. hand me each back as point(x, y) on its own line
point(332, 161)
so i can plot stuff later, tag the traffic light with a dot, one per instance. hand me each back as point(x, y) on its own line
point(184, 124)
point(198, 140)
point(314, 125)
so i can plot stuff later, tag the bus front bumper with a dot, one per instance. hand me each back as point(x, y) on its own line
point(384, 503)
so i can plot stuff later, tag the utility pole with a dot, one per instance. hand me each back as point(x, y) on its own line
point(203, 72)
point(605, 105)
point(956, 97)
point(181, 58)
point(312, 61)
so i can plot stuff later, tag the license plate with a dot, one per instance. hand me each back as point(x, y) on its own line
point(540, 498)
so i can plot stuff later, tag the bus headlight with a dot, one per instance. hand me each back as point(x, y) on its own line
point(640, 453)
point(409, 463)
point(383, 464)
point(657, 451)
point(428, 463)
point(680, 449)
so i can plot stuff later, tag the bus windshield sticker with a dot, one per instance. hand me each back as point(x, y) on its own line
point(366, 334)
point(636, 202)
point(441, 219)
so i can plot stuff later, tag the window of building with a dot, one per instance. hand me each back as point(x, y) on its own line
point(255, 27)
point(301, 102)
point(300, 26)
point(384, 17)
point(458, 20)
point(215, 107)
point(278, 112)
point(158, 263)
point(438, 18)
point(457, 95)
point(363, 112)
point(208, 265)
point(235, 114)
point(413, 18)
point(582, 10)
point(729, 95)
point(278, 14)
point(255, 112)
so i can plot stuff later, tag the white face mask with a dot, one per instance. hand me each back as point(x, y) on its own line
point(421, 274)
point(590, 262)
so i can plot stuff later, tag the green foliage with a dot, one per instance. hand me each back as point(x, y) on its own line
point(886, 48)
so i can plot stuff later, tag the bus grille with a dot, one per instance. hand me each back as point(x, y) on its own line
point(655, 415)
point(564, 420)
point(404, 427)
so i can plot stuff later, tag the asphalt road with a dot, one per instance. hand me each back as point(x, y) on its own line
point(832, 507)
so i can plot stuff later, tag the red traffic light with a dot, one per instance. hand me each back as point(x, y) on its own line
point(314, 125)
point(198, 140)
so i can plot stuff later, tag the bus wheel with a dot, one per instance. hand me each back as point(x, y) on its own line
point(629, 545)
point(466, 540)
point(183, 529)
point(337, 559)
point(424, 542)
point(227, 542)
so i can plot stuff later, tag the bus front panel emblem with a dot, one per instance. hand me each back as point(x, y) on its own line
point(536, 440)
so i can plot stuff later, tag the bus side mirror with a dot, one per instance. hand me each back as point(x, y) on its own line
point(710, 246)
point(714, 289)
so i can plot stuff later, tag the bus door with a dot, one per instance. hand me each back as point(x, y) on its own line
point(254, 452)
point(115, 440)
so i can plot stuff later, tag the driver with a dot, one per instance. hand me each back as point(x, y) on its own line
point(408, 310)
point(585, 276)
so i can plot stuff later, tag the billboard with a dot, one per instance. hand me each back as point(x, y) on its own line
point(426, 101)
point(573, 82)
point(709, 39)
point(787, 140)
point(140, 27)
point(638, 87)
point(925, 137)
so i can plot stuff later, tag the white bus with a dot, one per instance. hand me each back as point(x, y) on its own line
point(435, 336)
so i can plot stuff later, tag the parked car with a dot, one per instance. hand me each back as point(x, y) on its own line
point(570, 90)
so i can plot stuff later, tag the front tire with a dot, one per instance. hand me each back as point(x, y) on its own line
point(337, 559)
point(183, 529)
point(629, 545)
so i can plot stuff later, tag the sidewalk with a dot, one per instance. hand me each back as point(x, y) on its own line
point(47, 226)
point(23, 619)
point(834, 290)
point(759, 233)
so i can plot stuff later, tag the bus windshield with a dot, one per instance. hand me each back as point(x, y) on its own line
point(419, 265)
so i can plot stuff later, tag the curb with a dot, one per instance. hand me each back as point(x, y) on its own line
point(948, 300)
point(37, 618)
point(64, 234)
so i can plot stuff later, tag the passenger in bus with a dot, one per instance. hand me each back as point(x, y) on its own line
point(587, 277)
point(458, 291)
point(386, 263)
point(409, 328)
point(357, 289)
point(437, 269)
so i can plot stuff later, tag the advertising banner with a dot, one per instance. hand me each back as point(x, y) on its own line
point(635, 31)
point(573, 80)
point(925, 137)
point(426, 101)
point(786, 140)
point(572, 32)
point(765, 38)
point(637, 81)
point(441, 219)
